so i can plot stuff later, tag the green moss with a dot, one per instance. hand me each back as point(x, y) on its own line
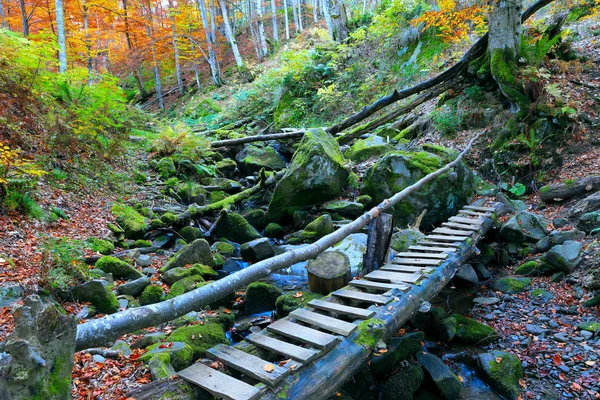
point(593, 327)
point(370, 332)
point(223, 317)
point(132, 222)
point(142, 243)
point(157, 224)
point(168, 218)
point(511, 285)
point(218, 261)
point(505, 374)
point(260, 297)
point(216, 196)
point(204, 271)
point(199, 337)
point(569, 182)
point(151, 294)
point(473, 332)
point(166, 168)
point(224, 248)
point(318, 228)
point(287, 303)
point(274, 230)
point(119, 268)
point(102, 246)
point(364, 199)
point(185, 285)
point(235, 228)
point(257, 218)
point(502, 68)
point(448, 154)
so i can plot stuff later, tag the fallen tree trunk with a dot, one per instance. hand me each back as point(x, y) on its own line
point(105, 330)
point(258, 138)
point(566, 190)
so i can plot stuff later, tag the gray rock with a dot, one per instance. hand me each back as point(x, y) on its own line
point(196, 252)
point(486, 300)
point(442, 376)
point(260, 297)
point(160, 368)
point(589, 221)
point(544, 244)
point(231, 266)
point(400, 349)
point(257, 250)
point(503, 376)
point(9, 293)
point(560, 222)
point(403, 384)
point(253, 158)
point(122, 347)
point(344, 208)
point(354, 246)
point(405, 238)
point(371, 147)
point(144, 260)
point(466, 275)
point(482, 272)
point(96, 292)
point(564, 257)
point(535, 329)
point(98, 358)
point(134, 288)
point(587, 205)
point(523, 227)
point(559, 237)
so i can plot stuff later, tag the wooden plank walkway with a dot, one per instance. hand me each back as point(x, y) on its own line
point(321, 337)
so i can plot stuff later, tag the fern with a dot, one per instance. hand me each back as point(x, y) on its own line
point(534, 51)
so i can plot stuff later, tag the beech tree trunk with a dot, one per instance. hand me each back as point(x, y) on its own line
point(175, 48)
point(24, 19)
point(340, 21)
point(295, 14)
point(274, 19)
point(300, 25)
point(328, 20)
point(287, 21)
point(2, 20)
point(88, 46)
point(230, 35)
point(60, 34)
point(264, 50)
point(212, 55)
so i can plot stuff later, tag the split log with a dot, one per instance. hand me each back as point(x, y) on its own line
point(330, 271)
point(258, 138)
point(102, 331)
point(566, 190)
point(378, 242)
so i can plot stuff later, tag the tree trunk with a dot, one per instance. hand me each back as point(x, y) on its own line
point(212, 55)
point(175, 48)
point(329, 272)
point(287, 21)
point(24, 19)
point(231, 36)
point(60, 33)
point(378, 241)
point(262, 40)
point(2, 20)
point(150, 32)
point(315, 8)
point(88, 46)
point(300, 25)
point(328, 20)
point(137, 74)
point(340, 21)
point(295, 15)
point(564, 191)
point(274, 19)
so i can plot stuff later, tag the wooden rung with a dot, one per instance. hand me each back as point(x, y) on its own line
point(464, 227)
point(474, 213)
point(446, 231)
point(248, 364)
point(436, 249)
point(440, 256)
point(323, 321)
point(386, 274)
point(330, 306)
point(373, 285)
point(406, 268)
point(478, 208)
point(416, 261)
point(303, 334)
point(447, 238)
point(363, 297)
point(468, 221)
point(219, 384)
point(436, 244)
point(284, 348)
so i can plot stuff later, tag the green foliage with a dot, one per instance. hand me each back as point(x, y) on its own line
point(62, 266)
point(518, 189)
point(534, 49)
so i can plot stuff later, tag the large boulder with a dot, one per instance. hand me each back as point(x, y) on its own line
point(96, 292)
point(257, 250)
point(260, 297)
point(442, 197)
point(365, 149)
point(345, 208)
point(564, 257)
point(118, 268)
point(197, 252)
point(132, 223)
point(317, 229)
point(443, 377)
point(316, 174)
point(199, 337)
point(502, 371)
point(589, 221)
point(405, 238)
point(466, 330)
point(253, 158)
point(523, 227)
point(403, 384)
point(234, 227)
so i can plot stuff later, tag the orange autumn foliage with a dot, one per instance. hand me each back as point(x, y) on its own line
point(454, 22)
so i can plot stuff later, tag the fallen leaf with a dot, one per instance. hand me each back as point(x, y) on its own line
point(498, 360)
point(576, 386)
point(269, 368)
point(283, 362)
point(556, 359)
point(298, 294)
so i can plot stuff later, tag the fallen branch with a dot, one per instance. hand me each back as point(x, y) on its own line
point(105, 330)
point(258, 138)
point(566, 190)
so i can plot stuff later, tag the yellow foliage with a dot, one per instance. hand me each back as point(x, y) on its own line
point(14, 166)
point(454, 24)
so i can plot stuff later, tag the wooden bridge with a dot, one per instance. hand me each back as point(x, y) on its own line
point(314, 350)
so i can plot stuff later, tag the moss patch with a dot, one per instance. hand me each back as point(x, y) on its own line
point(199, 337)
point(287, 303)
point(370, 332)
point(131, 221)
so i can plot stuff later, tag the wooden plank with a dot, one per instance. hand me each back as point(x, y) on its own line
point(416, 261)
point(407, 268)
point(323, 321)
point(353, 312)
point(436, 249)
point(455, 232)
point(478, 208)
point(248, 364)
point(387, 274)
point(461, 226)
point(467, 221)
point(373, 285)
point(303, 334)
point(219, 384)
point(437, 244)
point(284, 348)
point(440, 256)
point(363, 297)
point(474, 213)
point(447, 238)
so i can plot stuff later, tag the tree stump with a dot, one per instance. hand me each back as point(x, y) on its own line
point(378, 241)
point(328, 272)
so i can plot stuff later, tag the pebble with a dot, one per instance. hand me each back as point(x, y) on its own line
point(534, 329)
point(561, 337)
point(98, 358)
point(144, 260)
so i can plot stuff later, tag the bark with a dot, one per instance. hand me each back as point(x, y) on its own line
point(340, 21)
point(274, 21)
point(259, 138)
point(24, 19)
point(136, 72)
point(378, 241)
point(287, 21)
point(103, 331)
point(230, 35)
point(2, 20)
point(88, 46)
point(168, 388)
point(262, 40)
point(60, 34)
point(212, 55)
point(328, 19)
point(314, 10)
point(300, 24)
point(175, 48)
point(564, 191)
point(295, 15)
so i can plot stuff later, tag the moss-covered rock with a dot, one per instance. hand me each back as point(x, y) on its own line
point(119, 268)
point(289, 302)
point(502, 371)
point(399, 349)
point(151, 294)
point(403, 384)
point(590, 326)
point(318, 228)
point(133, 224)
point(173, 275)
point(522, 227)
point(469, 331)
point(185, 285)
point(190, 233)
point(403, 239)
point(350, 209)
point(274, 230)
point(141, 243)
point(369, 148)
point(135, 287)
point(226, 167)
point(197, 252)
point(97, 292)
point(365, 200)
point(234, 227)
point(316, 173)
point(102, 246)
point(442, 197)
point(160, 366)
point(443, 377)
point(370, 332)
point(257, 218)
point(190, 193)
point(199, 337)
point(589, 221)
point(564, 257)
point(257, 250)
point(168, 218)
point(222, 316)
point(511, 285)
point(166, 168)
point(179, 354)
point(253, 158)
point(223, 248)
point(260, 297)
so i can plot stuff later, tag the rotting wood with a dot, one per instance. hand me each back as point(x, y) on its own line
point(566, 190)
point(379, 235)
point(103, 331)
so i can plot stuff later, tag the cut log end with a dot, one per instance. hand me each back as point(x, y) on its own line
point(328, 272)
